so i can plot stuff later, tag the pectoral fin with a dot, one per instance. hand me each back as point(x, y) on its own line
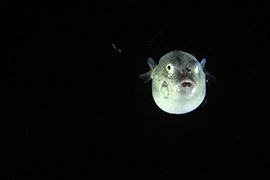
point(147, 76)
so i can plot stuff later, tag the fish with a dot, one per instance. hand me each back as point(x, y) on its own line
point(178, 82)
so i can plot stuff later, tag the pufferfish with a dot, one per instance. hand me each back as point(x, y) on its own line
point(178, 82)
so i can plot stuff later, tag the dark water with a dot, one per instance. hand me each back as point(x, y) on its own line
point(74, 107)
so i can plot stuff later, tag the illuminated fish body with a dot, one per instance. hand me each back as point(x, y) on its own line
point(178, 82)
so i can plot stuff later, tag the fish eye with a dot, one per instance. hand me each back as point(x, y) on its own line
point(169, 68)
point(197, 68)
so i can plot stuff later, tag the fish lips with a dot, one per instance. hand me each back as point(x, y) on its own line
point(186, 86)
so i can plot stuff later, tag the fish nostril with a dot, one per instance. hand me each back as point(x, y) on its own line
point(186, 70)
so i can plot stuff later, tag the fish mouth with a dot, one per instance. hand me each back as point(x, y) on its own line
point(186, 86)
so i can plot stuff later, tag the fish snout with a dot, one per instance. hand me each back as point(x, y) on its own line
point(186, 86)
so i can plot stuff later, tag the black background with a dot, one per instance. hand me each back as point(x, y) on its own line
point(74, 108)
